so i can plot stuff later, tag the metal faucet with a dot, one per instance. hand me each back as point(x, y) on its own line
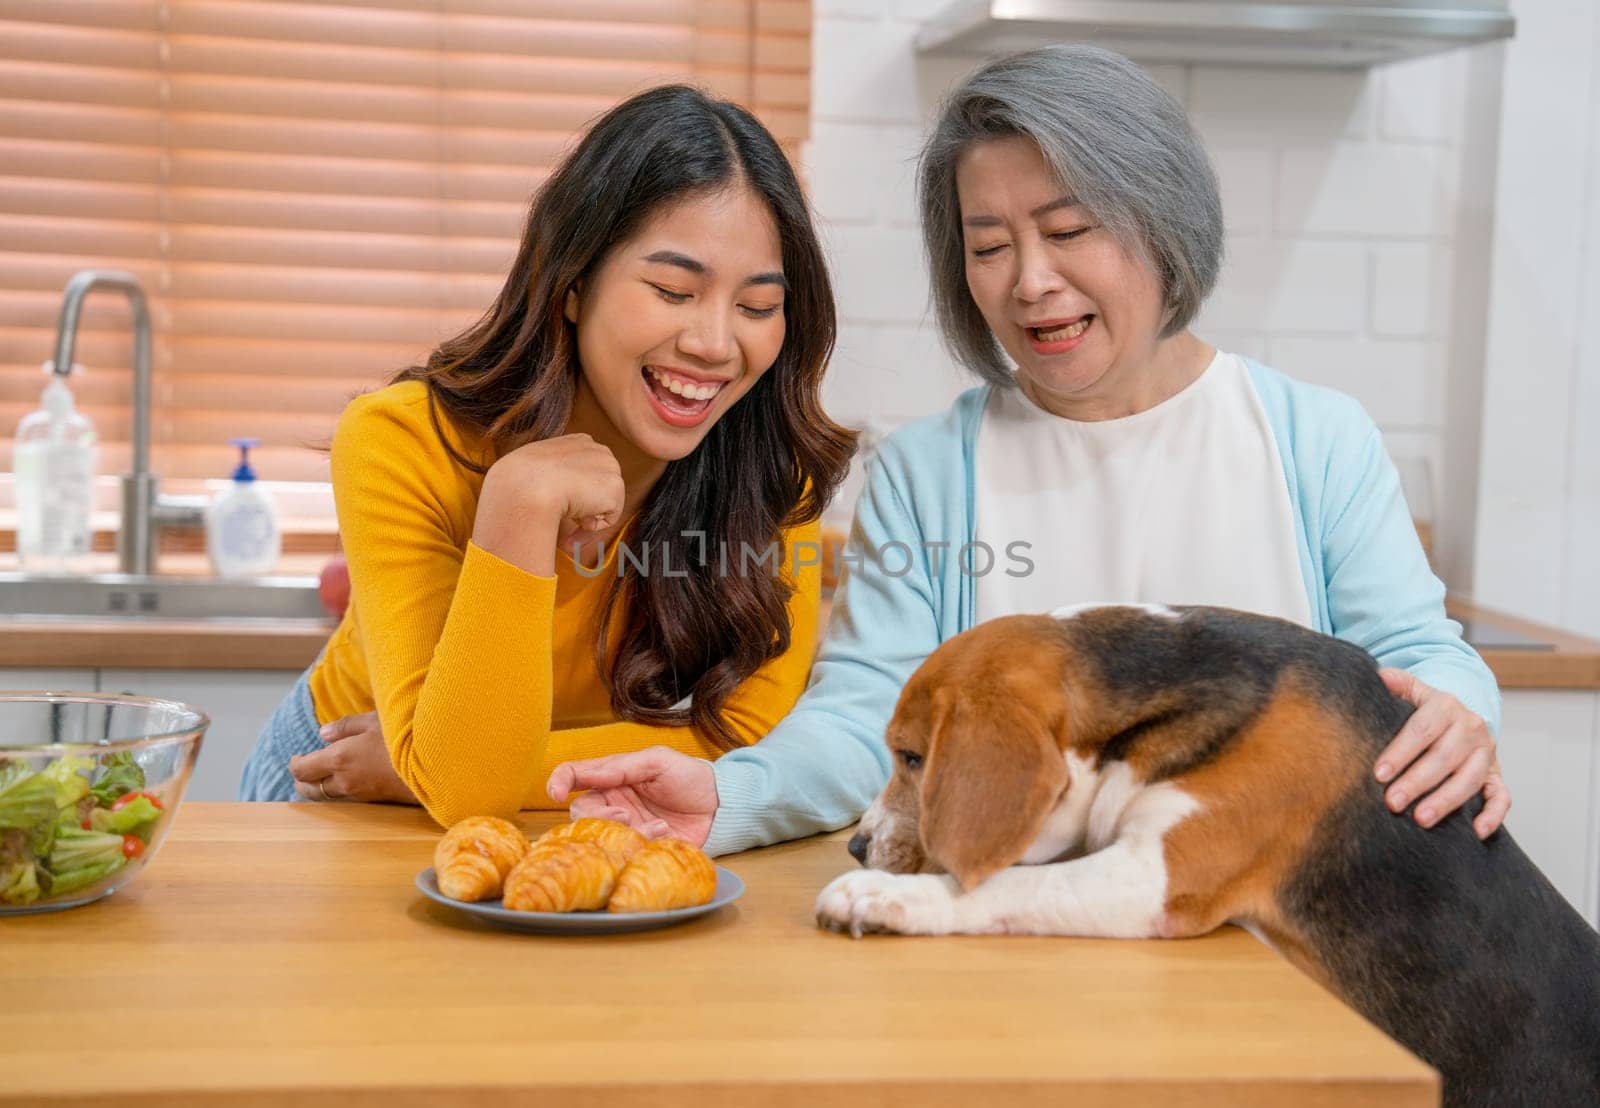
point(144, 509)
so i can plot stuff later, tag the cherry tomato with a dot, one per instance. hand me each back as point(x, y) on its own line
point(128, 798)
point(132, 846)
point(87, 826)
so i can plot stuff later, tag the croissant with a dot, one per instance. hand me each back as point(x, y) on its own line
point(561, 876)
point(664, 874)
point(617, 839)
point(473, 858)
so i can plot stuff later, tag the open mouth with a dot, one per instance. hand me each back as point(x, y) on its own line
point(1060, 332)
point(680, 400)
point(1058, 337)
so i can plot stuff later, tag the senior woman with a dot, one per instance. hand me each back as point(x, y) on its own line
point(1073, 230)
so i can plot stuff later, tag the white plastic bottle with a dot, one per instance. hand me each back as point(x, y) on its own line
point(242, 533)
point(55, 454)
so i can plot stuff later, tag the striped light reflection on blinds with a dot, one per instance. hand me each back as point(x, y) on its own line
point(312, 192)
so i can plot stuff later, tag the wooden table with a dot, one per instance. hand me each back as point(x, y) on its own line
point(278, 954)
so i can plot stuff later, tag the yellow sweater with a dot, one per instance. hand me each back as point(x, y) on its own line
point(483, 674)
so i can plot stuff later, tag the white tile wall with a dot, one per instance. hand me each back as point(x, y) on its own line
point(878, 274)
point(1366, 191)
point(860, 171)
point(1396, 377)
point(1421, 103)
point(1245, 175)
point(1286, 286)
point(1538, 526)
point(1359, 211)
point(1410, 289)
point(860, 72)
point(1340, 196)
point(1280, 107)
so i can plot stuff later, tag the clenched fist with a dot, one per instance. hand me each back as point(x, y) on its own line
point(547, 495)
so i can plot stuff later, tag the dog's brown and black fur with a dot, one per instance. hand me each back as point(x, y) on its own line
point(1266, 733)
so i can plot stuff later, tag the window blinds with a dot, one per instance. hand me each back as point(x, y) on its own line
point(312, 193)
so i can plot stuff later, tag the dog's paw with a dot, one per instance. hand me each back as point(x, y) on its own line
point(871, 900)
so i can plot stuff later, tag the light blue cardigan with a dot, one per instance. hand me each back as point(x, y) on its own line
point(1365, 574)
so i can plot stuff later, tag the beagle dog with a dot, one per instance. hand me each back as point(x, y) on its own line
point(1138, 771)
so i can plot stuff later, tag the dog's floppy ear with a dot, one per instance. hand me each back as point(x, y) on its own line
point(991, 775)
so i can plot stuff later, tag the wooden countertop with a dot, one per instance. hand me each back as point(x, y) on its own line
point(278, 954)
point(1574, 663)
point(168, 643)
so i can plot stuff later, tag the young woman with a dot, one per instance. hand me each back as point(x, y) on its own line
point(549, 525)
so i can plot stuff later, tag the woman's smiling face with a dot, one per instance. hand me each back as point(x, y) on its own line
point(1078, 314)
point(681, 320)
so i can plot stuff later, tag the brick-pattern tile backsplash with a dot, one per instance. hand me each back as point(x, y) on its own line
point(1339, 192)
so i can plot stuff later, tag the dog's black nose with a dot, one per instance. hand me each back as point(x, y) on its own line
point(858, 847)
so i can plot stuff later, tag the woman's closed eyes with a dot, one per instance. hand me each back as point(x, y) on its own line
point(1053, 236)
point(674, 296)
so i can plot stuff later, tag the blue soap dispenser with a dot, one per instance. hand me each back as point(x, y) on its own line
point(242, 534)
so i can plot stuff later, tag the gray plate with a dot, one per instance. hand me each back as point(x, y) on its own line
point(729, 889)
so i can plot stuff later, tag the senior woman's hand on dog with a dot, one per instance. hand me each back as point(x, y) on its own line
point(1444, 747)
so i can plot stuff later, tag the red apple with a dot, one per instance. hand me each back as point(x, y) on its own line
point(333, 586)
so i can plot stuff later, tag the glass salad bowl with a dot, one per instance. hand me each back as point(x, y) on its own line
point(89, 784)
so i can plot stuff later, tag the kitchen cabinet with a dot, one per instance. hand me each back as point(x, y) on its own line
point(59, 679)
point(238, 702)
point(1550, 755)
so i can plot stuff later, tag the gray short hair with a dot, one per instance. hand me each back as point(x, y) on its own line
point(1118, 142)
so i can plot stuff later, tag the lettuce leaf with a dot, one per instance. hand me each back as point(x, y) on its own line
point(29, 805)
point(137, 817)
point(13, 770)
point(120, 774)
point(76, 849)
point(69, 774)
point(19, 883)
point(73, 880)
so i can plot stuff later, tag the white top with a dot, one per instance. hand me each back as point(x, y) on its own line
point(1184, 503)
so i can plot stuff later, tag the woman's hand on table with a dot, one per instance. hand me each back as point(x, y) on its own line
point(354, 765)
point(1444, 747)
point(660, 792)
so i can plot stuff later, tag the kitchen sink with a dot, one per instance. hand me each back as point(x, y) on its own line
point(127, 596)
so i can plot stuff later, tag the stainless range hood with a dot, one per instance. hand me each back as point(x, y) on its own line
point(1345, 33)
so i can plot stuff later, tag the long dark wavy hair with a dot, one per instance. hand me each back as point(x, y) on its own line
point(772, 461)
